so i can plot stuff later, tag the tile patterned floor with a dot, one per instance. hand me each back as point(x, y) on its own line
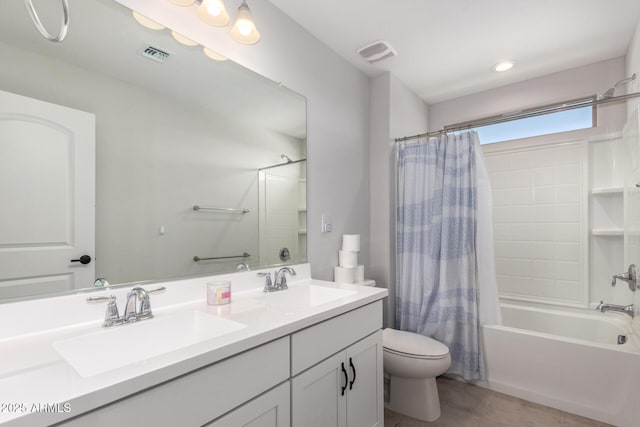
point(465, 405)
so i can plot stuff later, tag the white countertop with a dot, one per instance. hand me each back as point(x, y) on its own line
point(33, 374)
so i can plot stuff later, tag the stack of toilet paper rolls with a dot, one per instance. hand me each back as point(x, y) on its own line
point(348, 270)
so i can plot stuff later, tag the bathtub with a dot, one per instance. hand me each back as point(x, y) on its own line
point(566, 360)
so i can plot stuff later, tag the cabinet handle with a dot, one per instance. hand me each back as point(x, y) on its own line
point(346, 380)
point(353, 369)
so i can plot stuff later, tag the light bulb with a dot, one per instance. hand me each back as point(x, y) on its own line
point(244, 27)
point(213, 13)
point(244, 30)
point(214, 7)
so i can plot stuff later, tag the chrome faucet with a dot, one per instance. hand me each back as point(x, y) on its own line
point(631, 277)
point(280, 274)
point(138, 307)
point(626, 309)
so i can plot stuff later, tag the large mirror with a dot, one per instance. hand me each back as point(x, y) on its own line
point(200, 164)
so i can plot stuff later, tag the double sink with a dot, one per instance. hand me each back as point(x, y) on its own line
point(107, 349)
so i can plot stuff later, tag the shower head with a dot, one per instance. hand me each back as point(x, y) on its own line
point(285, 158)
point(610, 93)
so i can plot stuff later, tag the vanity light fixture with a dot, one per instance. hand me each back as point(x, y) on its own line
point(183, 2)
point(213, 13)
point(146, 22)
point(244, 30)
point(182, 39)
point(214, 55)
point(503, 66)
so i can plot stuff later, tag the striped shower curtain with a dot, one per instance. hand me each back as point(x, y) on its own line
point(437, 265)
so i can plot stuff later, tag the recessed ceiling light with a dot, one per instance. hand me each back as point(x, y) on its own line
point(503, 66)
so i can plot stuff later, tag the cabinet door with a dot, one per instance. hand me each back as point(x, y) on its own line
point(365, 407)
point(316, 395)
point(272, 409)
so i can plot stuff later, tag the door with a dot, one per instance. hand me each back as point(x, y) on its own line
point(47, 197)
point(365, 407)
point(318, 395)
point(279, 220)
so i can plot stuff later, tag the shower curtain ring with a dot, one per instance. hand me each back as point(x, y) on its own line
point(36, 20)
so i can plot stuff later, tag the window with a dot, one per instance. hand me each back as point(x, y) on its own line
point(580, 118)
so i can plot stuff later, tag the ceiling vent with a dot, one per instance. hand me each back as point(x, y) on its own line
point(155, 54)
point(376, 51)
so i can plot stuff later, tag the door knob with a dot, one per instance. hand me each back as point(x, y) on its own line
point(84, 259)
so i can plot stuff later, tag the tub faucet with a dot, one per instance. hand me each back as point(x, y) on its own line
point(631, 277)
point(626, 309)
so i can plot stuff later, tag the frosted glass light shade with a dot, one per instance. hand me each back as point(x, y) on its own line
point(214, 55)
point(183, 2)
point(213, 13)
point(184, 40)
point(146, 22)
point(244, 30)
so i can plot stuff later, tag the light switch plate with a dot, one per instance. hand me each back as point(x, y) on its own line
point(326, 224)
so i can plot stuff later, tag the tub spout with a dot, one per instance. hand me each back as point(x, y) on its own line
point(626, 309)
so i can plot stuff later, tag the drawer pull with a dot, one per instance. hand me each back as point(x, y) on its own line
point(346, 380)
point(353, 369)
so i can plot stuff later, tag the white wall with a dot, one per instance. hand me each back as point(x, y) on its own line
point(337, 111)
point(633, 66)
point(565, 85)
point(395, 111)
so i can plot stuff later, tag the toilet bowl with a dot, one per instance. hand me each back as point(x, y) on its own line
point(413, 362)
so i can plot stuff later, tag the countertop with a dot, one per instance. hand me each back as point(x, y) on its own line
point(38, 387)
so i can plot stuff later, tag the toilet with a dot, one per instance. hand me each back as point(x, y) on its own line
point(413, 362)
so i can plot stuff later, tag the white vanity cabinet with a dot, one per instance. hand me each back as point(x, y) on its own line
point(207, 393)
point(272, 409)
point(346, 388)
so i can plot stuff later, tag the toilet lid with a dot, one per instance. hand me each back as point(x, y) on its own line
point(412, 345)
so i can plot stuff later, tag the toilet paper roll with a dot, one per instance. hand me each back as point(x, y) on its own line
point(347, 258)
point(351, 242)
point(345, 275)
point(359, 274)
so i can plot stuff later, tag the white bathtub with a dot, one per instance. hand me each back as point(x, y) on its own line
point(567, 361)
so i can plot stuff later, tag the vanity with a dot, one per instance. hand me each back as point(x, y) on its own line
point(308, 355)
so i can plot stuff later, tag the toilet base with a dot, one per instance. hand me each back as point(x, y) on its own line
point(416, 398)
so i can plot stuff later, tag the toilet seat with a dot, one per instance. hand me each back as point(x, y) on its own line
point(411, 345)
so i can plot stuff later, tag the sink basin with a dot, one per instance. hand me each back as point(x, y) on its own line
point(305, 296)
point(109, 349)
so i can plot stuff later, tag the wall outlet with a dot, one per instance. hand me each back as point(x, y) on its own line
point(326, 224)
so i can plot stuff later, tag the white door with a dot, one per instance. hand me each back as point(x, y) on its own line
point(47, 197)
point(365, 399)
point(319, 396)
point(278, 215)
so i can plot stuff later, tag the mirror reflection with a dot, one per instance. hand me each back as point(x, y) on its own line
point(121, 162)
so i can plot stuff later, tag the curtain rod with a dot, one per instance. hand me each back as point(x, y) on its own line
point(523, 114)
point(282, 164)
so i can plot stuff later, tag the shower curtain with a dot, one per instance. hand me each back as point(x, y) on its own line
point(445, 284)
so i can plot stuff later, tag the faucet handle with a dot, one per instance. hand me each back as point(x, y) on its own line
point(631, 277)
point(111, 316)
point(268, 283)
